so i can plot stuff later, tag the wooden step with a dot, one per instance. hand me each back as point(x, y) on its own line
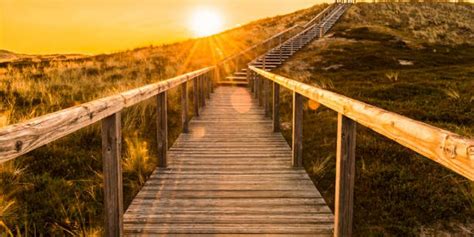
point(236, 83)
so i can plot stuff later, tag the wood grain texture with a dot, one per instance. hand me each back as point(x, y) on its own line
point(266, 97)
point(112, 168)
point(451, 150)
point(18, 139)
point(276, 107)
point(184, 107)
point(297, 137)
point(230, 175)
point(345, 175)
point(162, 128)
point(196, 102)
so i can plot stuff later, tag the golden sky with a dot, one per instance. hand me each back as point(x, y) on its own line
point(104, 26)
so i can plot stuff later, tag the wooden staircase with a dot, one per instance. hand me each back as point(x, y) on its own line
point(276, 56)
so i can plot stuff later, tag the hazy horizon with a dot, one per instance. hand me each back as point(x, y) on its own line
point(90, 27)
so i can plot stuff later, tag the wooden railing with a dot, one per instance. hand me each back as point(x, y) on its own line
point(21, 138)
point(239, 60)
point(448, 149)
point(18, 139)
point(306, 28)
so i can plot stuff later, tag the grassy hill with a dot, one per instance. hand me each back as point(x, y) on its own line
point(57, 190)
point(413, 59)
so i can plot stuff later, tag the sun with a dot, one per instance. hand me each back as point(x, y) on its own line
point(205, 22)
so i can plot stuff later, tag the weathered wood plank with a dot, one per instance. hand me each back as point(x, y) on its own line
point(231, 171)
point(162, 128)
point(229, 229)
point(345, 175)
point(184, 109)
point(297, 130)
point(112, 168)
point(276, 107)
point(196, 103)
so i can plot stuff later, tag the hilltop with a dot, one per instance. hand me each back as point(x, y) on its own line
point(413, 59)
point(11, 57)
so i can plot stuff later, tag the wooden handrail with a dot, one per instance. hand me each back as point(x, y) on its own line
point(320, 15)
point(236, 55)
point(305, 26)
point(304, 31)
point(448, 149)
point(18, 139)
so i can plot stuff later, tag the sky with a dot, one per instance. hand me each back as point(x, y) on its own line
point(106, 26)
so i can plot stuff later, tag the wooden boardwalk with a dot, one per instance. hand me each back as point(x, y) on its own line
point(230, 175)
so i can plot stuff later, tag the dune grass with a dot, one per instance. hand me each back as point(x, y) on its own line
point(431, 79)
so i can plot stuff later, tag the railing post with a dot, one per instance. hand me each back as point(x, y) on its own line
point(297, 146)
point(184, 109)
point(321, 31)
point(207, 80)
point(255, 84)
point(211, 80)
point(292, 41)
point(249, 79)
point(260, 90)
point(202, 91)
point(162, 128)
point(266, 96)
point(345, 173)
point(264, 62)
point(112, 168)
point(196, 96)
point(281, 51)
point(276, 107)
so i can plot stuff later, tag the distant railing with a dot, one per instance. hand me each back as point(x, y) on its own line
point(307, 28)
point(236, 61)
point(446, 148)
point(18, 139)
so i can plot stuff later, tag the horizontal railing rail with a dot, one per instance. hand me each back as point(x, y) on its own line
point(18, 139)
point(451, 150)
point(320, 15)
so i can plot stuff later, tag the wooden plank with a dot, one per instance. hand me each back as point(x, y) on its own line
point(184, 109)
point(112, 168)
point(345, 175)
point(297, 147)
point(217, 177)
point(235, 219)
point(451, 150)
point(229, 229)
point(162, 128)
point(244, 202)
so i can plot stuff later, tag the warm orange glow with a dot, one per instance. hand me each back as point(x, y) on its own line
point(313, 105)
point(205, 22)
point(106, 26)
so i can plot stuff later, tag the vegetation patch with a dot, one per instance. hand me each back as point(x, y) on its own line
point(397, 192)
